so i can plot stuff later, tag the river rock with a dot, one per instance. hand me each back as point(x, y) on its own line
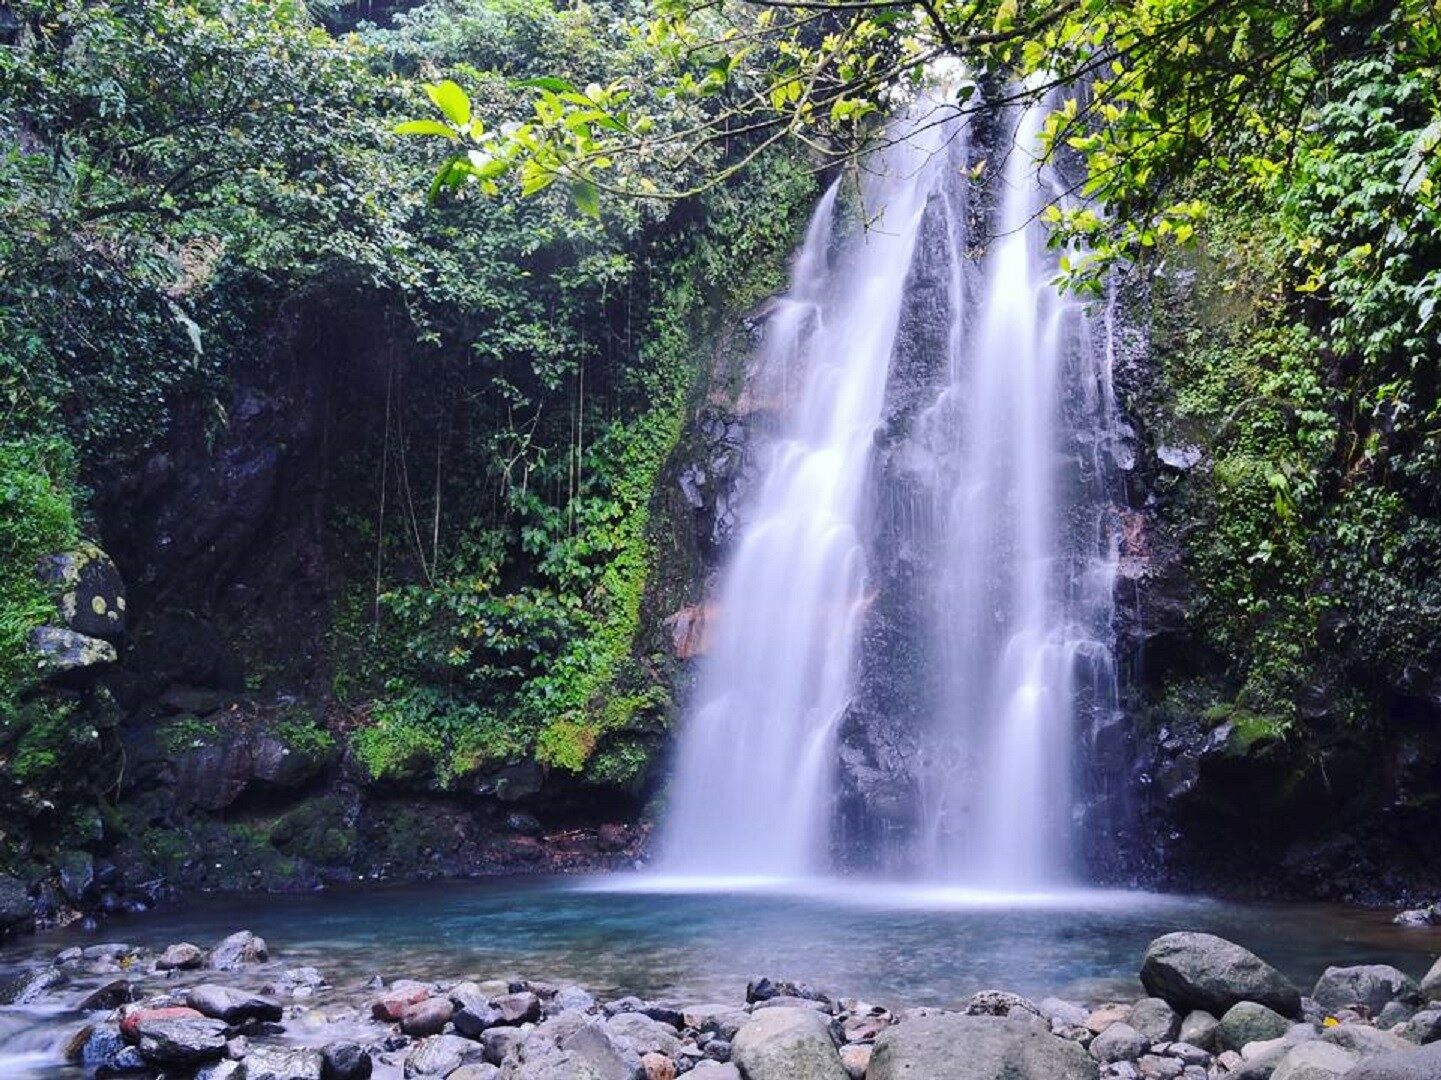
point(391, 1005)
point(947, 1046)
point(499, 1042)
point(62, 651)
point(517, 1008)
point(441, 1055)
point(427, 1017)
point(238, 950)
point(1422, 1064)
point(1315, 1061)
point(1202, 971)
point(473, 1019)
point(282, 1063)
point(643, 1034)
point(1156, 1020)
point(1249, 1022)
point(181, 957)
point(723, 1020)
point(1431, 983)
point(346, 1061)
point(133, 1018)
point(1156, 1067)
point(787, 1044)
point(586, 1054)
point(15, 909)
point(1423, 1027)
point(1001, 1003)
point(715, 1070)
point(657, 1067)
point(1371, 985)
point(856, 1059)
point(39, 984)
point(482, 1071)
point(110, 996)
point(180, 1042)
point(1365, 1040)
point(1098, 1020)
point(1198, 1028)
point(232, 1006)
point(76, 871)
point(1119, 1042)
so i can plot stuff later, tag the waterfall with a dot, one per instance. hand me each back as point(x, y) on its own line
point(1014, 524)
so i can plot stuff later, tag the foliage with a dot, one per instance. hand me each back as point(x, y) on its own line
point(37, 518)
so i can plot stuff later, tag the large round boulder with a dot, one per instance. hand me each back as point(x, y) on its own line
point(953, 1047)
point(787, 1044)
point(1371, 985)
point(91, 590)
point(1315, 1061)
point(1202, 971)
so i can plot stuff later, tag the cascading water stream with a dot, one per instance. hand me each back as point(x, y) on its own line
point(752, 785)
point(1009, 462)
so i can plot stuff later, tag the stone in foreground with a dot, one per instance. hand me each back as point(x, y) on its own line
point(1249, 1022)
point(1315, 1061)
point(1423, 1064)
point(1203, 971)
point(787, 1044)
point(952, 1047)
point(1371, 985)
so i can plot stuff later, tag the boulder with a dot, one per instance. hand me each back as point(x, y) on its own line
point(1119, 1042)
point(181, 957)
point(427, 1017)
point(1315, 1061)
point(76, 871)
point(61, 651)
point(1431, 983)
point(131, 1021)
point(15, 909)
point(232, 1006)
point(346, 1061)
point(587, 1053)
point(765, 989)
point(282, 1063)
point(657, 1067)
point(111, 996)
point(180, 1042)
point(91, 591)
point(238, 950)
point(1249, 1022)
point(1422, 1064)
point(951, 1047)
point(391, 1005)
point(441, 1055)
point(856, 1058)
point(787, 1044)
point(481, 1071)
point(518, 1008)
point(1371, 985)
point(499, 1042)
point(1202, 971)
point(1154, 1019)
point(1198, 1028)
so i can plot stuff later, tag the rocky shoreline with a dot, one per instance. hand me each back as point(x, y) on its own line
point(1215, 1011)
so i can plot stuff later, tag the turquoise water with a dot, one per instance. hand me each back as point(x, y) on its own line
point(700, 940)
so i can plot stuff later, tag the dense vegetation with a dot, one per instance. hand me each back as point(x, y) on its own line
point(536, 285)
point(181, 183)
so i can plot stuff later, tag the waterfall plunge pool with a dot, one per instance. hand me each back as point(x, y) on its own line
point(701, 939)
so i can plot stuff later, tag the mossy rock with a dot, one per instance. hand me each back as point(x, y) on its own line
point(91, 591)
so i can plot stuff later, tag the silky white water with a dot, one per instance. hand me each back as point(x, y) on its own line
point(1007, 460)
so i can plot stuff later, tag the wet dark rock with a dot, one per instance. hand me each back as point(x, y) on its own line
point(76, 871)
point(346, 1061)
point(1203, 971)
point(180, 1042)
point(764, 989)
point(611, 838)
point(951, 1047)
point(239, 950)
point(476, 1018)
point(110, 996)
point(499, 1042)
point(64, 652)
point(91, 593)
point(1423, 1027)
point(232, 1006)
point(1431, 983)
point(39, 984)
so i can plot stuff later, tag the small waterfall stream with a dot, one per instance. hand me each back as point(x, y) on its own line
point(1015, 523)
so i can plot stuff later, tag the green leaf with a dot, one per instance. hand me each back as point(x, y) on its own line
point(426, 127)
point(546, 82)
point(587, 198)
point(451, 100)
